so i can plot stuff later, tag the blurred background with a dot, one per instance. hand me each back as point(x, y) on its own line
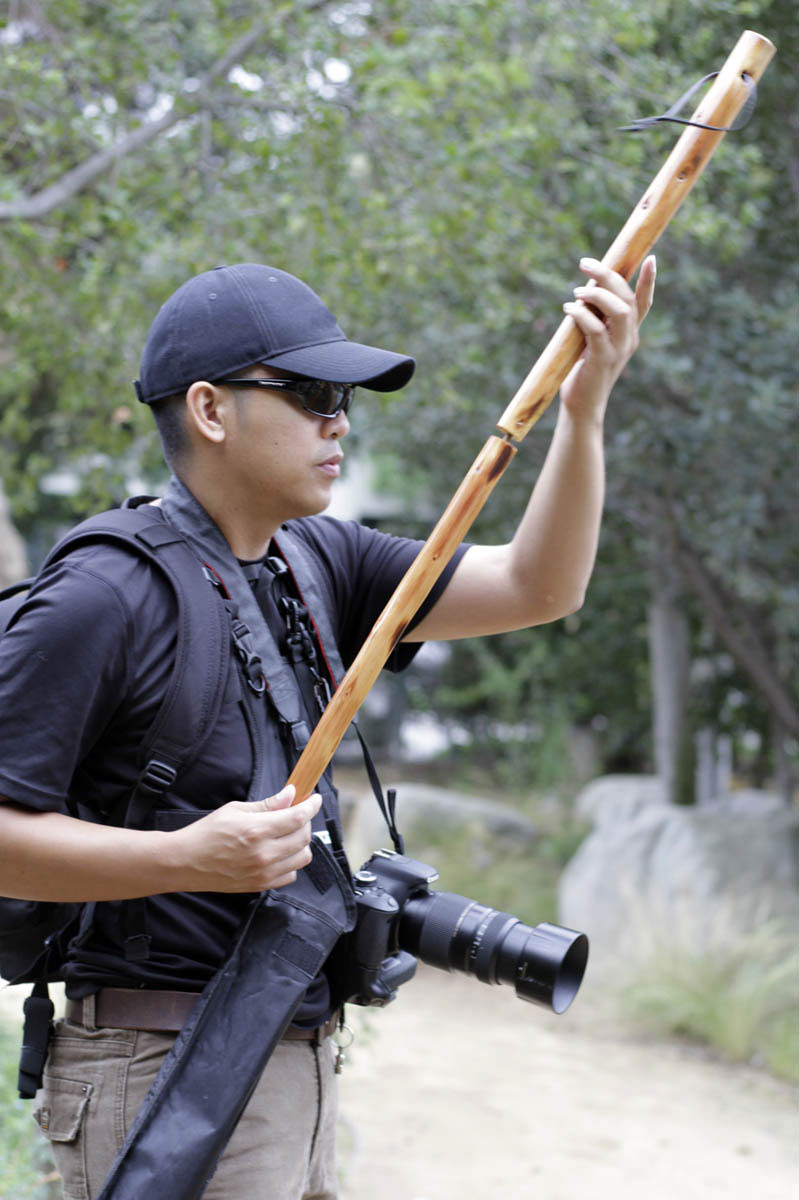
point(435, 171)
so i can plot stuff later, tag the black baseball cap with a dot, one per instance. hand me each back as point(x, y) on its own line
point(230, 318)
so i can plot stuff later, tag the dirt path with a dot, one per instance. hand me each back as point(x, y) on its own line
point(459, 1091)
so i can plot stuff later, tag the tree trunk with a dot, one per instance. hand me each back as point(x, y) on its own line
point(785, 771)
point(13, 558)
point(670, 660)
point(737, 627)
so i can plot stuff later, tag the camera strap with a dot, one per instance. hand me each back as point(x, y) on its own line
point(291, 625)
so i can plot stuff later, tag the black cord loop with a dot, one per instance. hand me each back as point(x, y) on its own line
point(743, 118)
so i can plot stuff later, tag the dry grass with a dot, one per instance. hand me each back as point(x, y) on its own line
point(735, 991)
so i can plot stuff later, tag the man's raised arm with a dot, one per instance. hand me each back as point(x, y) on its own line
point(543, 573)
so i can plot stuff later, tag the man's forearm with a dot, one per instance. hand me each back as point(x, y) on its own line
point(554, 547)
point(542, 574)
point(239, 847)
point(50, 856)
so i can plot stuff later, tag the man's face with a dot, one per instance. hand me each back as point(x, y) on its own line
point(284, 460)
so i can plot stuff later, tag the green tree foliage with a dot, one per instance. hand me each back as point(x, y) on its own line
point(436, 169)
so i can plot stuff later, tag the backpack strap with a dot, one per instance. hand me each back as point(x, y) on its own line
point(194, 694)
point(195, 690)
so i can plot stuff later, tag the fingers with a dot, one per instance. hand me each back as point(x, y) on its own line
point(589, 324)
point(276, 853)
point(645, 288)
point(604, 310)
point(287, 822)
point(282, 799)
point(606, 277)
point(607, 310)
point(247, 847)
point(608, 313)
point(609, 304)
point(607, 283)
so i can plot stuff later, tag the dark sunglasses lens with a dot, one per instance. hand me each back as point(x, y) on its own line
point(325, 399)
point(317, 395)
point(342, 396)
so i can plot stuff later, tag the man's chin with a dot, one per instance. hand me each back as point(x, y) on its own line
point(312, 508)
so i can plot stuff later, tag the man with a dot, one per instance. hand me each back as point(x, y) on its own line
point(250, 380)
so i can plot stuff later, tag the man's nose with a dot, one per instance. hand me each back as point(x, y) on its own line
point(336, 427)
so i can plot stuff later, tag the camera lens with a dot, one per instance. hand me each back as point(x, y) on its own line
point(544, 963)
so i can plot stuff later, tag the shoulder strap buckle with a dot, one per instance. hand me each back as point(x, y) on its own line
point(158, 776)
point(250, 660)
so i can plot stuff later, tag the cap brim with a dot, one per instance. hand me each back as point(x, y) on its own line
point(348, 362)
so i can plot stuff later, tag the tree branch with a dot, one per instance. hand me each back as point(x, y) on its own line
point(33, 208)
point(737, 630)
point(733, 623)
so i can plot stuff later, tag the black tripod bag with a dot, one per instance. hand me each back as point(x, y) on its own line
point(212, 1069)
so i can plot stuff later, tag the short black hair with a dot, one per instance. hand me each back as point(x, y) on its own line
point(170, 420)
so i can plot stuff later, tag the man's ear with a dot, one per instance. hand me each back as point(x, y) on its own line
point(207, 410)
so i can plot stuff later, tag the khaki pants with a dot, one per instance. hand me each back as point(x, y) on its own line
point(282, 1149)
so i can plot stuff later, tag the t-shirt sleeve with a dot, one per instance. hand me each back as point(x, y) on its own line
point(64, 665)
point(365, 567)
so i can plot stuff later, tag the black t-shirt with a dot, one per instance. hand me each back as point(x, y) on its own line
point(82, 674)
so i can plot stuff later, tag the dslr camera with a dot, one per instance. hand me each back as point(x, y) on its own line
point(401, 920)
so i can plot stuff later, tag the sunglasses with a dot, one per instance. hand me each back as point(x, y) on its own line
point(317, 396)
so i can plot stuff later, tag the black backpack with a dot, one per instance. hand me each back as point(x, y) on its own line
point(35, 935)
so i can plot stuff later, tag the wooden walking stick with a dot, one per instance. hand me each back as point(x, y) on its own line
point(649, 218)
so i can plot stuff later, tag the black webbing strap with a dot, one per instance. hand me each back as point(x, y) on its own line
point(387, 804)
point(291, 625)
point(295, 709)
point(193, 696)
point(671, 114)
point(194, 692)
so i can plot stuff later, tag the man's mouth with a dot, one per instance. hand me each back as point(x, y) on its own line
point(331, 466)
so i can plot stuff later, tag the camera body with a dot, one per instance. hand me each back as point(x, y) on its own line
point(400, 920)
point(371, 963)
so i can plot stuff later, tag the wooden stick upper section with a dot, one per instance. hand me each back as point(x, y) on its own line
point(649, 218)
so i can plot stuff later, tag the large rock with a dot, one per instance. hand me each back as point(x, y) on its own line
point(616, 799)
point(700, 875)
point(421, 807)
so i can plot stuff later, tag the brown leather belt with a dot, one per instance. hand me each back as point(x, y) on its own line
point(163, 1012)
